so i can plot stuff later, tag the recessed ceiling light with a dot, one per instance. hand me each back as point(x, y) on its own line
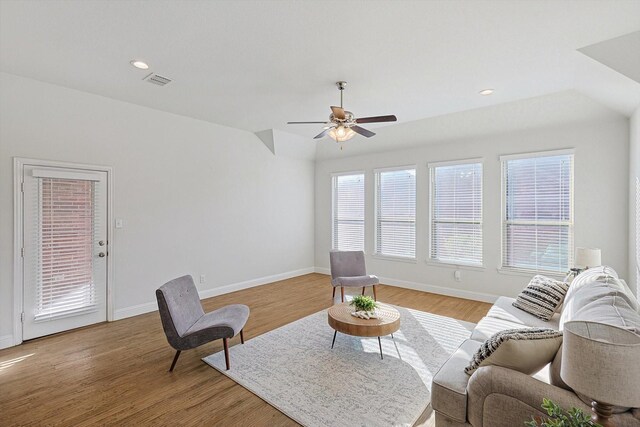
point(486, 92)
point(139, 64)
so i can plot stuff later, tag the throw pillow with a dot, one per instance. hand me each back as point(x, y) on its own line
point(542, 297)
point(525, 350)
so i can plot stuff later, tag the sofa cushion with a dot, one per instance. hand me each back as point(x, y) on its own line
point(526, 350)
point(489, 326)
point(587, 277)
point(503, 309)
point(542, 297)
point(449, 386)
point(603, 299)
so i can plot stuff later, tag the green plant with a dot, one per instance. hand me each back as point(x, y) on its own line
point(558, 417)
point(363, 303)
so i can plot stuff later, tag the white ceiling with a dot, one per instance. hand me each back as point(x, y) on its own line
point(621, 53)
point(256, 64)
point(556, 109)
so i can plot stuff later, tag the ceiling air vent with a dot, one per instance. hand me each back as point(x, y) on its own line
point(157, 79)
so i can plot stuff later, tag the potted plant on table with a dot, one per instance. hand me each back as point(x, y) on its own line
point(365, 307)
point(558, 417)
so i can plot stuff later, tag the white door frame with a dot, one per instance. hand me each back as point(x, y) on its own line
point(18, 235)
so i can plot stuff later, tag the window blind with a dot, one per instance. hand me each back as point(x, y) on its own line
point(456, 213)
point(348, 212)
point(537, 223)
point(66, 232)
point(396, 213)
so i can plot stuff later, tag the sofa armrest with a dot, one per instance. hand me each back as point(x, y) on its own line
point(503, 397)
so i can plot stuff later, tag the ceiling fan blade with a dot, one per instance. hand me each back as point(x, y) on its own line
point(362, 131)
point(338, 112)
point(322, 134)
point(377, 119)
point(306, 123)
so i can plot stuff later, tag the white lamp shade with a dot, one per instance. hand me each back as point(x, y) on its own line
point(588, 257)
point(341, 133)
point(602, 362)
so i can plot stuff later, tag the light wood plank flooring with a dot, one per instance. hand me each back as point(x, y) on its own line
point(116, 373)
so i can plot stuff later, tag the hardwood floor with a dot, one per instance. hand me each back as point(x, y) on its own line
point(116, 373)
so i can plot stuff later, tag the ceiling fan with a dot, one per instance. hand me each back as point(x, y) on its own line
point(343, 125)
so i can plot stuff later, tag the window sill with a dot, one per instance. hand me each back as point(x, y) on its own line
point(394, 258)
point(531, 273)
point(460, 266)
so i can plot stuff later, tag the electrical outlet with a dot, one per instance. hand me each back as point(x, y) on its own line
point(202, 278)
point(457, 275)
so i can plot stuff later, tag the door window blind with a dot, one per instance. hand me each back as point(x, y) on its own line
point(456, 213)
point(66, 232)
point(396, 213)
point(348, 212)
point(537, 222)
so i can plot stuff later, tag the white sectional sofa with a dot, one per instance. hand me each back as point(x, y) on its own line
point(499, 397)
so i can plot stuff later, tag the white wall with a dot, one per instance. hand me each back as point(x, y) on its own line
point(601, 207)
point(634, 202)
point(196, 198)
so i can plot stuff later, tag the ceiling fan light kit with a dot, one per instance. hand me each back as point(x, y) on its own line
point(343, 125)
point(341, 133)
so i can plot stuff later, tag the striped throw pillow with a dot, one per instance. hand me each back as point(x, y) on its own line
point(526, 350)
point(542, 297)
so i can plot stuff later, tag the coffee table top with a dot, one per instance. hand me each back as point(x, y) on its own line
point(340, 319)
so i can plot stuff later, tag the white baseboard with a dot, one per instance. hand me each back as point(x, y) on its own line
point(459, 293)
point(135, 310)
point(208, 293)
point(6, 341)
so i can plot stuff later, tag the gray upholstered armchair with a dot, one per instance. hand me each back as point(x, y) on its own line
point(348, 270)
point(186, 324)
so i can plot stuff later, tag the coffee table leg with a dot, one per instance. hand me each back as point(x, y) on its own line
point(380, 344)
point(334, 338)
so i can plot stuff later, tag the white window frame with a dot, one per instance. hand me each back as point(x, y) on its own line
point(18, 235)
point(431, 167)
point(376, 253)
point(503, 212)
point(334, 176)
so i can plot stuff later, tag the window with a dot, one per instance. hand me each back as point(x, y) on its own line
point(537, 223)
point(396, 212)
point(456, 213)
point(66, 237)
point(348, 212)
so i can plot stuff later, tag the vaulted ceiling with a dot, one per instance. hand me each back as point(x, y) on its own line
point(255, 65)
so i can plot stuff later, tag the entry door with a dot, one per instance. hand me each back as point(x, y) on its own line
point(65, 249)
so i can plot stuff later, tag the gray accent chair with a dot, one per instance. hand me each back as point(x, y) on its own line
point(187, 326)
point(348, 270)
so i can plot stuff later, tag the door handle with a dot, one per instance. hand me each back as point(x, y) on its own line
point(102, 255)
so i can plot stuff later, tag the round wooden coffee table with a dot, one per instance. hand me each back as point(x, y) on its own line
point(341, 320)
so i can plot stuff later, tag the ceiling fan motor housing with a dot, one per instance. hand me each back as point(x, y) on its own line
point(349, 118)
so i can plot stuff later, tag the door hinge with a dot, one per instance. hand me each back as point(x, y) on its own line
point(22, 187)
point(22, 317)
point(22, 252)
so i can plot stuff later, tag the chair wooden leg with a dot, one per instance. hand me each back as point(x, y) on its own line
point(342, 292)
point(175, 360)
point(363, 290)
point(375, 296)
point(334, 293)
point(242, 336)
point(225, 342)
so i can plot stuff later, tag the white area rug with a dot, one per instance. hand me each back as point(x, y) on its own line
point(294, 369)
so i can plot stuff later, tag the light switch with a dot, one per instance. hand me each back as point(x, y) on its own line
point(119, 223)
